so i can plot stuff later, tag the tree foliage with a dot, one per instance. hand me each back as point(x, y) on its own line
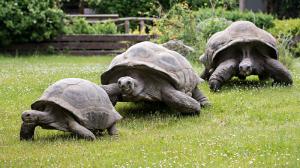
point(29, 20)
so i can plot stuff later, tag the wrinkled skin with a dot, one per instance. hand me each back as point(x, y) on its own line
point(245, 59)
point(141, 86)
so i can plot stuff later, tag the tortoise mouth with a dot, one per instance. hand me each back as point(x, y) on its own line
point(245, 71)
point(29, 117)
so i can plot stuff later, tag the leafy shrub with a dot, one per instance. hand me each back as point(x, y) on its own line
point(290, 27)
point(196, 4)
point(81, 26)
point(285, 55)
point(259, 19)
point(29, 20)
point(296, 50)
point(195, 27)
point(127, 7)
point(178, 23)
point(208, 27)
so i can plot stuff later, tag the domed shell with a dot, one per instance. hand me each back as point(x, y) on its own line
point(89, 103)
point(237, 32)
point(155, 59)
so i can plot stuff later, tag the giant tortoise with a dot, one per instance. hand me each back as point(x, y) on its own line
point(75, 105)
point(151, 72)
point(242, 49)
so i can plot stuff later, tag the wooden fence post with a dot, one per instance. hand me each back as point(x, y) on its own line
point(142, 25)
point(127, 26)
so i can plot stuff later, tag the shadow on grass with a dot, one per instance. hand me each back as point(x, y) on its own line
point(67, 136)
point(248, 84)
point(136, 110)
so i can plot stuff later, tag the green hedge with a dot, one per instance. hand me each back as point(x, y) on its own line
point(261, 20)
point(182, 23)
point(290, 27)
point(196, 4)
point(81, 26)
point(195, 27)
point(127, 7)
point(287, 29)
point(29, 20)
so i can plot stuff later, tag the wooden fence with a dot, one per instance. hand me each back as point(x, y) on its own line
point(80, 45)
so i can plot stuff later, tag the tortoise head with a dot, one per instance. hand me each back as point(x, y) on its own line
point(129, 85)
point(31, 116)
point(30, 120)
point(246, 67)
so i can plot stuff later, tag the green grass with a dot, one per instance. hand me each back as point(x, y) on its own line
point(250, 124)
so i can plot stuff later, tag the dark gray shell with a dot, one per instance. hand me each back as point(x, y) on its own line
point(156, 59)
point(86, 101)
point(237, 32)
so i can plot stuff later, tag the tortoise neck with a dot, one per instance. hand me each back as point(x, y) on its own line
point(45, 117)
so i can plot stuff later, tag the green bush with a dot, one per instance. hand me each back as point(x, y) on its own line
point(196, 4)
point(29, 20)
point(261, 20)
point(81, 26)
point(125, 8)
point(195, 27)
point(210, 26)
point(290, 27)
point(296, 50)
point(284, 52)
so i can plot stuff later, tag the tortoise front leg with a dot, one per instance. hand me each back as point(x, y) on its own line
point(278, 72)
point(205, 74)
point(180, 101)
point(27, 131)
point(222, 73)
point(114, 92)
point(199, 96)
point(80, 130)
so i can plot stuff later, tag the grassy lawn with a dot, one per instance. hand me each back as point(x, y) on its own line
point(250, 124)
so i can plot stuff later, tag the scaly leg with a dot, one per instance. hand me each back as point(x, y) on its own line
point(113, 131)
point(222, 73)
point(199, 96)
point(27, 131)
point(180, 101)
point(278, 72)
point(80, 130)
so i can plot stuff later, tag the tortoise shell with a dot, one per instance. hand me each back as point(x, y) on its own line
point(155, 59)
point(86, 101)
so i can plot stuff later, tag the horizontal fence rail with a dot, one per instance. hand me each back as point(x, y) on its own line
point(95, 17)
point(80, 45)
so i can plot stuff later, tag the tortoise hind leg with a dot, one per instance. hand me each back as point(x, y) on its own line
point(222, 73)
point(80, 130)
point(278, 72)
point(199, 96)
point(112, 130)
point(180, 101)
